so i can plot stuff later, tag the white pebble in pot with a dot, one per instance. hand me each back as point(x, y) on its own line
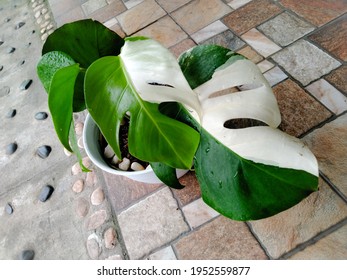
point(136, 166)
point(125, 164)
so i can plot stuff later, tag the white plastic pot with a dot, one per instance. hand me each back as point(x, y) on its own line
point(91, 134)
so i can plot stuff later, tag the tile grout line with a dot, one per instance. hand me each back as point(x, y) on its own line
point(333, 186)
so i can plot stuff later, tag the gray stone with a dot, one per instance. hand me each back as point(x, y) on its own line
point(19, 25)
point(25, 84)
point(226, 39)
point(41, 116)
point(44, 151)
point(305, 62)
point(10, 114)
point(27, 255)
point(11, 148)
point(285, 28)
point(10, 50)
point(9, 208)
point(46, 193)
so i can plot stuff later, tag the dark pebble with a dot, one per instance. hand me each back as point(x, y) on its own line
point(46, 193)
point(25, 84)
point(1, 42)
point(44, 151)
point(27, 255)
point(19, 25)
point(11, 148)
point(8, 208)
point(10, 114)
point(10, 50)
point(7, 19)
point(41, 116)
point(21, 63)
point(1, 67)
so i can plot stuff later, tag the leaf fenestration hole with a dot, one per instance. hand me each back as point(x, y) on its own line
point(243, 123)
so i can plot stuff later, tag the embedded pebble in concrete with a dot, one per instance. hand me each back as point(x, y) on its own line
point(19, 25)
point(82, 207)
point(11, 148)
point(97, 196)
point(10, 114)
point(46, 193)
point(79, 128)
point(21, 62)
point(96, 220)
point(1, 42)
point(4, 91)
point(41, 116)
point(44, 151)
point(25, 84)
point(27, 255)
point(10, 50)
point(9, 208)
point(110, 237)
point(78, 186)
point(93, 248)
point(7, 20)
point(1, 67)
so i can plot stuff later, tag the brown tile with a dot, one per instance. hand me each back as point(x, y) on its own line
point(140, 16)
point(285, 231)
point(329, 144)
point(317, 12)
point(333, 38)
point(338, 79)
point(182, 46)
point(200, 13)
point(116, 28)
point(165, 31)
point(251, 54)
point(331, 247)
point(69, 16)
point(251, 15)
point(300, 112)
point(123, 192)
point(190, 192)
point(109, 11)
point(221, 239)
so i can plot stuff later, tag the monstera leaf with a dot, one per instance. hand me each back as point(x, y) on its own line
point(134, 83)
point(247, 173)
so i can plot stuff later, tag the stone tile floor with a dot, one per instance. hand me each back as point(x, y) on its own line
point(301, 48)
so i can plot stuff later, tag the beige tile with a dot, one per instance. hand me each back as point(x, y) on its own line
point(209, 31)
point(91, 6)
point(251, 54)
point(329, 144)
point(140, 16)
point(164, 254)
point(331, 247)
point(165, 31)
point(334, 100)
point(132, 3)
point(235, 4)
point(221, 239)
point(198, 213)
point(108, 11)
point(275, 76)
point(172, 5)
point(200, 13)
point(260, 43)
point(265, 65)
point(69, 16)
point(285, 231)
point(151, 223)
point(182, 46)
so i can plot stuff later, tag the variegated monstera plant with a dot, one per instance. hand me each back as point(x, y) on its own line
point(180, 114)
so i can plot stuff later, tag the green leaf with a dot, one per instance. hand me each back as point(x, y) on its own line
point(60, 101)
point(85, 41)
point(166, 174)
point(153, 137)
point(199, 63)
